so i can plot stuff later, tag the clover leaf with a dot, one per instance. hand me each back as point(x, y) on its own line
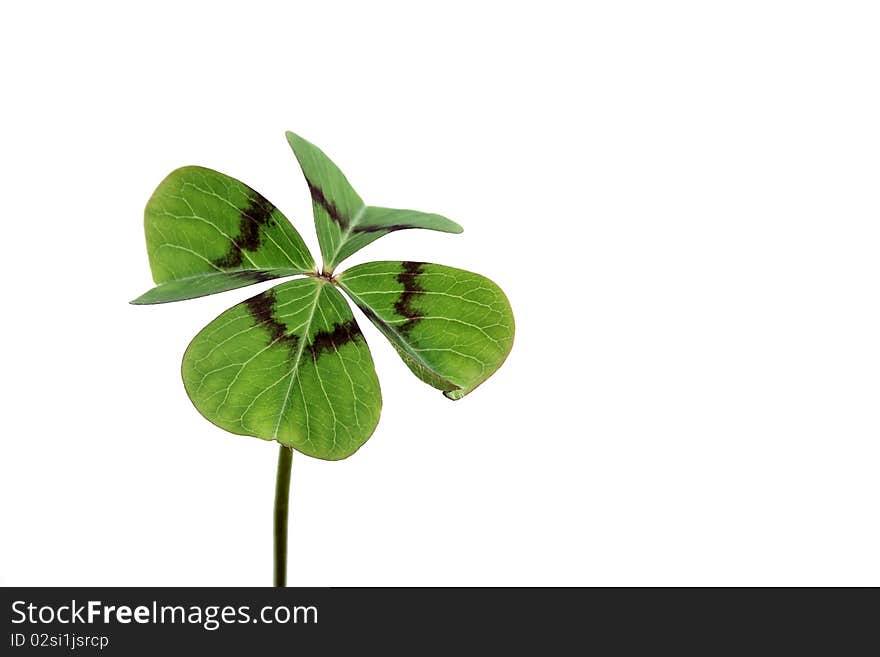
point(344, 223)
point(291, 364)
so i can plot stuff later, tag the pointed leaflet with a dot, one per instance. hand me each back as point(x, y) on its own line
point(290, 365)
point(207, 232)
point(452, 328)
point(344, 223)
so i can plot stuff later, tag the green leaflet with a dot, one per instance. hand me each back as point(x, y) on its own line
point(207, 232)
point(205, 284)
point(290, 365)
point(452, 328)
point(344, 223)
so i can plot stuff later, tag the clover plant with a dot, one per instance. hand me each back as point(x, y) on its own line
point(291, 364)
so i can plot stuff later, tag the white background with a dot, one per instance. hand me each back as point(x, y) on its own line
point(680, 199)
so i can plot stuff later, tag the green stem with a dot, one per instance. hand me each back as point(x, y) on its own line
point(282, 494)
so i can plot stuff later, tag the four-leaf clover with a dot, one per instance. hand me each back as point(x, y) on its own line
point(291, 363)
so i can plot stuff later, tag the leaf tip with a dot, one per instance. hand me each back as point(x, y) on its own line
point(149, 298)
point(293, 138)
point(447, 225)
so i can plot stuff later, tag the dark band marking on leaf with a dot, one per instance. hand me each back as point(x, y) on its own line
point(253, 275)
point(333, 212)
point(375, 229)
point(411, 288)
point(231, 259)
point(328, 206)
point(261, 308)
point(257, 214)
point(331, 340)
